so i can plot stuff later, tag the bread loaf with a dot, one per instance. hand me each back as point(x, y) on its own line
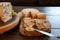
point(36, 20)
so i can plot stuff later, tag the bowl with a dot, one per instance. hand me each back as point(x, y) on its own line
point(10, 24)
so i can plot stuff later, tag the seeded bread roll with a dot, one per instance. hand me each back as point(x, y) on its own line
point(5, 11)
point(34, 13)
point(26, 12)
point(30, 12)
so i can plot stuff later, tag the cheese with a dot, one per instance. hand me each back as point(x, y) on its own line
point(5, 11)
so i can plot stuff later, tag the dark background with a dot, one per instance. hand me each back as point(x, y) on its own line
point(33, 2)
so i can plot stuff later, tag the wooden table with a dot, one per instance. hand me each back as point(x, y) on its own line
point(53, 15)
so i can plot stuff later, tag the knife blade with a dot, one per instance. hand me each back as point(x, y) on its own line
point(46, 33)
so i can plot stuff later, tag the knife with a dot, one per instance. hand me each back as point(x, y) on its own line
point(46, 33)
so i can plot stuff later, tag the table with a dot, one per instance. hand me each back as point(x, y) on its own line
point(53, 15)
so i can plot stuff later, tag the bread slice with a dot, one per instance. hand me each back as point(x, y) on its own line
point(5, 11)
point(42, 24)
point(39, 23)
point(28, 23)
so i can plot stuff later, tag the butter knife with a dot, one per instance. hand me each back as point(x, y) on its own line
point(46, 33)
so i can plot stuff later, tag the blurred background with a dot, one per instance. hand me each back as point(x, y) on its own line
point(33, 2)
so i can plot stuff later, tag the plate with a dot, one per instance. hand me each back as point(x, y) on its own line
point(10, 24)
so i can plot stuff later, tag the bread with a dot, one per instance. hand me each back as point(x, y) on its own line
point(34, 13)
point(35, 20)
point(30, 12)
point(28, 23)
point(30, 32)
point(42, 23)
point(41, 15)
point(9, 25)
point(26, 12)
point(5, 11)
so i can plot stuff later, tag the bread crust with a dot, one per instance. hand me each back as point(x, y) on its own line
point(41, 15)
point(1, 13)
